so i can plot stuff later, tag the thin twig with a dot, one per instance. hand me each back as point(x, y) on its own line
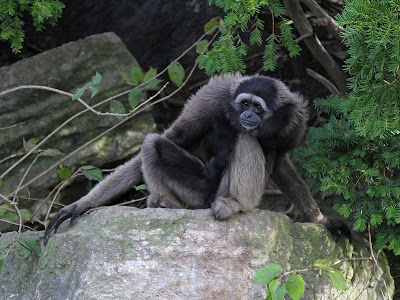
point(12, 126)
point(304, 36)
point(325, 82)
point(24, 176)
point(55, 196)
point(131, 201)
point(16, 224)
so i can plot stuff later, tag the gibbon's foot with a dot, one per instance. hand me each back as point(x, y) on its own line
point(70, 211)
point(224, 208)
point(337, 228)
point(154, 201)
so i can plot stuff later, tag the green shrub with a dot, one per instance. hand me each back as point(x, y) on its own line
point(11, 24)
point(227, 53)
point(356, 156)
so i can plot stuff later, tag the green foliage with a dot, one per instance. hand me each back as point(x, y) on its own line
point(356, 156)
point(272, 277)
point(63, 172)
point(176, 73)
point(11, 12)
point(228, 52)
point(93, 86)
point(140, 187)
point(266, 274)
point(142, 82)
point(92, 173)
point(117, 107)
point(295, 286)
point(361, 143)
point(372, 35)
point(25, 246)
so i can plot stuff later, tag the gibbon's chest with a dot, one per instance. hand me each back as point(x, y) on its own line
point(247, 170)
point(247, 159)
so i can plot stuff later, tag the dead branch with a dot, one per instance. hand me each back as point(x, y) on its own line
point(304, 27)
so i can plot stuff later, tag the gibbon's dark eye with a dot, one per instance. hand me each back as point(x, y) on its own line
point(245, 104)
point(258, 108)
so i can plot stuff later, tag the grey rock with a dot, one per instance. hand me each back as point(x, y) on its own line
point(68, 68)
point(128, 253)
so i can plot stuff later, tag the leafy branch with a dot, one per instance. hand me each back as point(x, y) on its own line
point(11, 11)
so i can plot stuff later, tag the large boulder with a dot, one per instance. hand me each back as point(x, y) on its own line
point(36, 113)
point(128, 253)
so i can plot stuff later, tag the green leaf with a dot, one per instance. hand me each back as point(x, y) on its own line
point(295, 286)
point(25, 214)
point(141, 187)
point(137, 75)
point(32, 245)
point(29, 145)
point(96, 79)
point(338, 280)
point(4, 245)
point(95, 88)
point(92, 173)
point(201, 47)
point(176, 73)
point(211, 25)
point(265, 275)
point(276, 289)
point(135, 95)
point(63, 172)
point(149, 74)
point(78, 93)
point(322, 264)
point(51, 152)
point(10, 216)
point(128, 77)
point(117, 107)
point(3, 260)
point(152, 85)
point(24, 251)
point(1, 181)
point(376, 219)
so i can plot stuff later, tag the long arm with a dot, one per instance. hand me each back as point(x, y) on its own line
point(115, 184)
point(290, 182)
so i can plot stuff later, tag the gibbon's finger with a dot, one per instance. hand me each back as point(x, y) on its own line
point(55, 223)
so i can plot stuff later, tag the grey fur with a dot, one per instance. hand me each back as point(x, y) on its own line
point(256, 155)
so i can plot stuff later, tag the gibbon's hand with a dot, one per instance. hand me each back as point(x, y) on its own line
point(70, 211)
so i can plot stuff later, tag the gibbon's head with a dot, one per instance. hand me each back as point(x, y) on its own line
point(254, 101)
point(265, 106)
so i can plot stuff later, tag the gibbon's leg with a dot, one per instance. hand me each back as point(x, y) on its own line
point(290, 182)
point(175, 177)
point(243, 182)
point(118, 182)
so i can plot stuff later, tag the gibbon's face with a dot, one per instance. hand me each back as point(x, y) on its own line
point(254, 102)
point(253, 111)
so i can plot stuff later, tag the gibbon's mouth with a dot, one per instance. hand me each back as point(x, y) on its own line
point(248, 124)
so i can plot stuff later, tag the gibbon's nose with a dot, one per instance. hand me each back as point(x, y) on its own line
point(248, 115)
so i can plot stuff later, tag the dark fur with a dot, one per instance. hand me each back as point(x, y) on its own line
point(209, 158)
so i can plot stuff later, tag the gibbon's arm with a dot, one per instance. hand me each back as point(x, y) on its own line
point(202, 110)
point(290, 182)
point(118, 182)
